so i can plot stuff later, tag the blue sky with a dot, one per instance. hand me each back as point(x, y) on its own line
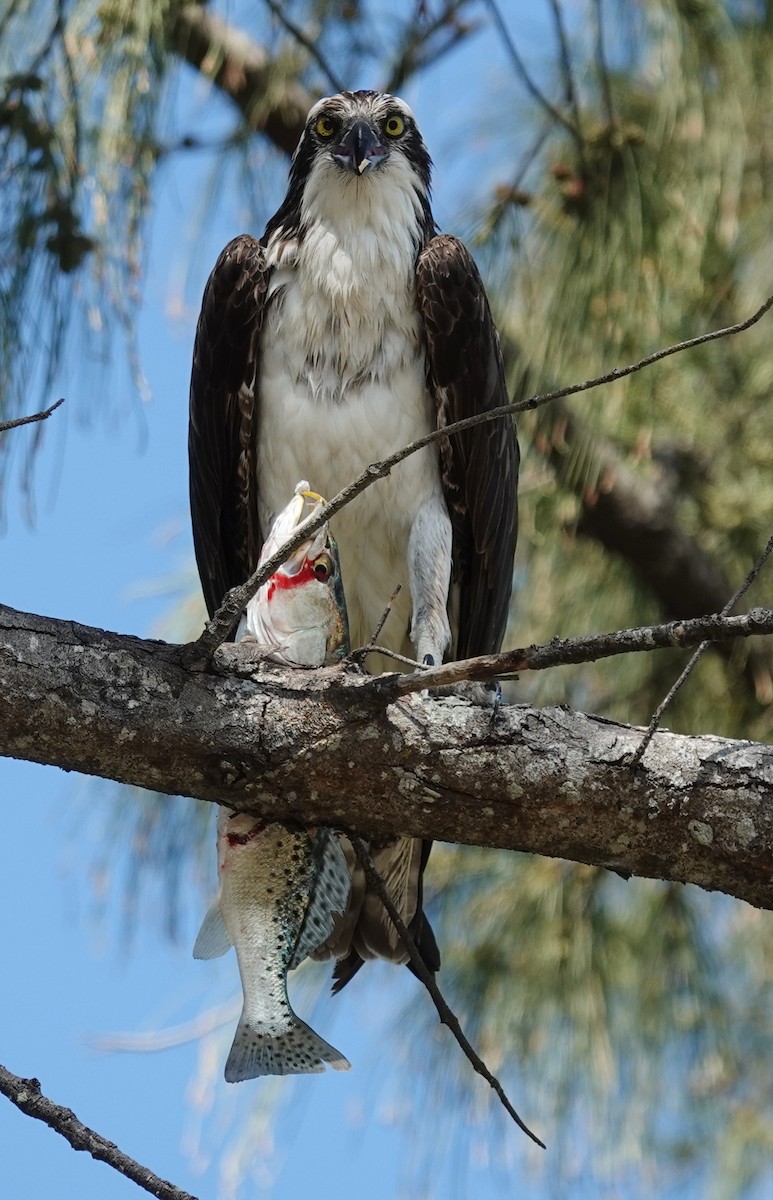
point(111, 516)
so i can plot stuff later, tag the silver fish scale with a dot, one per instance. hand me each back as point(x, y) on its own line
point(280, 889)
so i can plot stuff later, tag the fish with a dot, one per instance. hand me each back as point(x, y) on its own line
point(298, 617)
point(282, 887)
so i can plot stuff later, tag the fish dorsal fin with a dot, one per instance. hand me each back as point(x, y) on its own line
point(328, 898)
point(213, 939)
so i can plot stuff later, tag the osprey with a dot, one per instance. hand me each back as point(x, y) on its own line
point(348, 330)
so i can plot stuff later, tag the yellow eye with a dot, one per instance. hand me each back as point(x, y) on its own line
point(394, 126)
point(325, 127)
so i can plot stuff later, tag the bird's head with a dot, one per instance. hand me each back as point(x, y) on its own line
point(357, 147)
point(299, 614)
point(363, 133)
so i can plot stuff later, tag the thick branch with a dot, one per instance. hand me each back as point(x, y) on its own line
point(341, 749)
point(633, 518)
point(27, 1096)
point(245, 72)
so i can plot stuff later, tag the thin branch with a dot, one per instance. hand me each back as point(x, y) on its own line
point(447, 1017)
point(525, 77)
point(688, 670)
point(362, 652)
point(10, 12)
point(416, 52)
point(403, 659)
point(562, 652)
point(530, 154)
point(27, 1096)
point(570, 90)
point(224, 620)
point(308, 45)
point(40, 416)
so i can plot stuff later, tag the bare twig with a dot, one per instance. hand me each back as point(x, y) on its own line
point(447, 1017)
point(525, 77)
point(308, 45)
point(219, 627)
point(370, 646)
point(400, 658)
point(40, 416)
point(420, 47)
point(27, 1096)
point(688, 670)
point(561, 652)
point(570, 90)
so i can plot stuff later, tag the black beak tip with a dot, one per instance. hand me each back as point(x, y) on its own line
point(359, 148)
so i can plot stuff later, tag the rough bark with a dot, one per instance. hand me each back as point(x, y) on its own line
point(27, 1096)
point(329, 747)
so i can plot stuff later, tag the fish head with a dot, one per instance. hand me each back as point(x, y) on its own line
point(299, 614)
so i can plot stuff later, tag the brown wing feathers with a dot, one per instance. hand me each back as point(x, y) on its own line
point(222, 438)
point(480, 467)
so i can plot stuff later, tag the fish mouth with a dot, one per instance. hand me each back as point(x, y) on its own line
point(305, 503)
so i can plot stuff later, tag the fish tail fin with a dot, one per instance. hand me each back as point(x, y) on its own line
point(264, 1048)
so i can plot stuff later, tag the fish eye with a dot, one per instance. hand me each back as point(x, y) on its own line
point(325, 127)
point(323, 567)
point(394, 126)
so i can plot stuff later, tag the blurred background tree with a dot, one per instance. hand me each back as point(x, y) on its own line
point(614, 181)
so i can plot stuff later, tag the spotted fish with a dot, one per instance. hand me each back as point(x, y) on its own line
point(281, 888)
point(298, 616)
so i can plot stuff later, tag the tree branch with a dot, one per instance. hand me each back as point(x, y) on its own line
point(419, 967)
point(39, 416)
point(637, 519)
point(308, 44)
point(631, 517)
point(561, 652)
point(343, 749)
point(245, 72)
point(685, 674)
point(27, 1096)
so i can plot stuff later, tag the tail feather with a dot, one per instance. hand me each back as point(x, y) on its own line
point(267, 1050)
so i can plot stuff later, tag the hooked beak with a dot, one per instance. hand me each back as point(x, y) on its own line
point(359, 149)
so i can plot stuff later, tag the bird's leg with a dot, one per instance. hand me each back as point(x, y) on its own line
point(429, 576)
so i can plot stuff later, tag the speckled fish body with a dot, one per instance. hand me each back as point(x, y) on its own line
point(299, 615)
point(282, 888)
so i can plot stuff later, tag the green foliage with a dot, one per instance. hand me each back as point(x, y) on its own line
point(623, 1014)
point(649, 226)
point(80, 91)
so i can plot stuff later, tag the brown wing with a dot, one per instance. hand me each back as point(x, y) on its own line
point(480, 467)
point(222, 433)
